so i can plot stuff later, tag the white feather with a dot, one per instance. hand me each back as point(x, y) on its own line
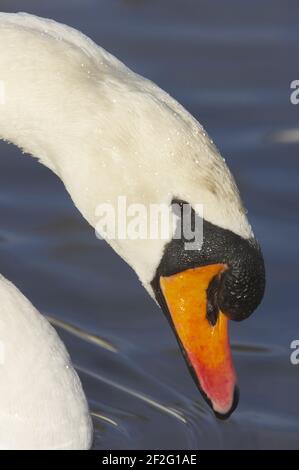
point(42, 404)
point(106, 131)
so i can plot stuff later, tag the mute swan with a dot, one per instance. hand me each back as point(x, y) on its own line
point(42, 404)
point(106, 131)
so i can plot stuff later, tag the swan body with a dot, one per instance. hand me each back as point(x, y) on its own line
point(107, 132)
point(42, 404)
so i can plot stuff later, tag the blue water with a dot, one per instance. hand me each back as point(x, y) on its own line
point(230, 63)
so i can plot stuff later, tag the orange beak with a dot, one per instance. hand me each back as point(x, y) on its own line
point(205, 346)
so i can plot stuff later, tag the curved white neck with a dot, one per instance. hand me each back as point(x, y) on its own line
point(107, 132)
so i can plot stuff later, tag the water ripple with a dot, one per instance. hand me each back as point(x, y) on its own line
point(150, 401)
point(79, 333)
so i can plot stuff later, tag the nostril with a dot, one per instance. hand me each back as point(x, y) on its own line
point(212, 301)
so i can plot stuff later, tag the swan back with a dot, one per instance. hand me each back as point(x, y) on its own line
point(42, 404)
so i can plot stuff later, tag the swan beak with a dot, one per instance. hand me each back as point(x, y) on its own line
point(205, 346)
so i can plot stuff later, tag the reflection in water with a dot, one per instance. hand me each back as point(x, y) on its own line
point(135, 394)
point(100, 342)
point(231, 67)
point(286, 136)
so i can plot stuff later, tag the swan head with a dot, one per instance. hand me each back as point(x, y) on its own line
point(130, 138)
point(200, 290)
